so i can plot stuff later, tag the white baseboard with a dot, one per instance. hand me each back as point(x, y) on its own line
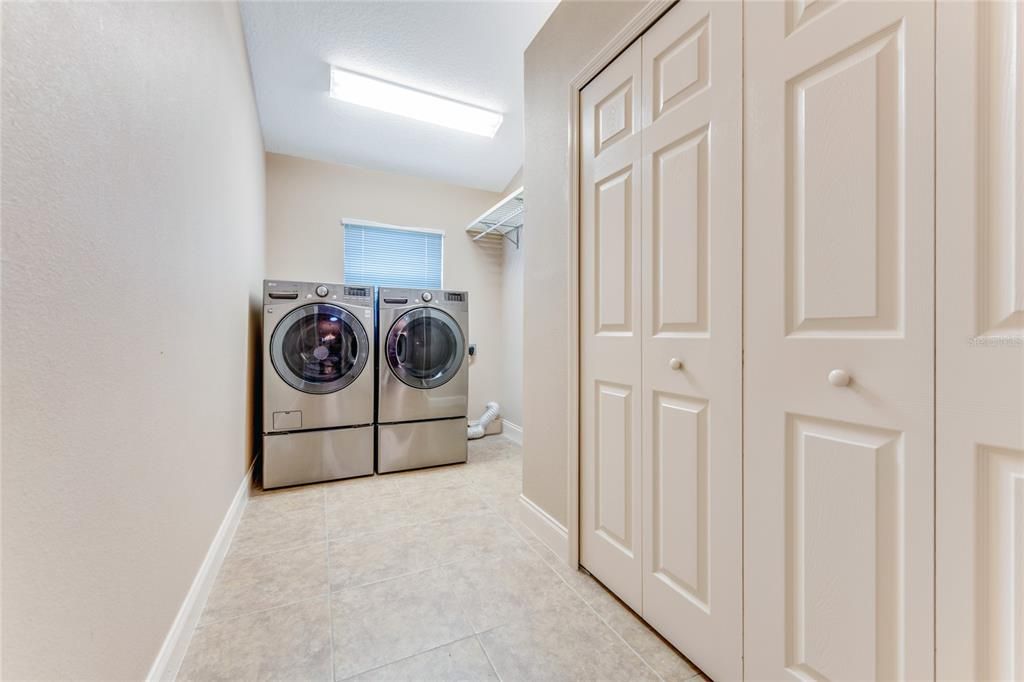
point(553, 534)
point(513, 431)
point(167, 662)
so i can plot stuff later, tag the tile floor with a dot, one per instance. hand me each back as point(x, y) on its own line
point(426, 575)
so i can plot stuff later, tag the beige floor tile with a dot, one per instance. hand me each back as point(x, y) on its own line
point(499, 588)
point(287, 643)
point(492, 448)
point(361, 488)
point(465, 537)
point(582, 583)
point(463, 661)
point(665, 660)
point(504, 503)
point(254, 583)
point(281, 500)
point(562, 644)
point(533, 541)
point(593, 592)
point(347, 517)
point(501, 459)
point(372, 557)
point(514, 518)
point(486, 478)
point(428, 479)
point(431, 504)
point(385, 622)
point(265, 528)
point(409, 593)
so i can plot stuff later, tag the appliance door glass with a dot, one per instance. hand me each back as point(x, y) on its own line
point(425, 347)
point(319, 348)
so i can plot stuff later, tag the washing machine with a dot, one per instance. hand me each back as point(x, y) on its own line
point(318, 382)
point(422, 378)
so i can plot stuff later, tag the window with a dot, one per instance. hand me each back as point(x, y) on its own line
point(393, 256)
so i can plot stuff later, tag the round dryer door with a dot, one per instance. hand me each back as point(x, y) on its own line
point(319, 348)
point(425, 348)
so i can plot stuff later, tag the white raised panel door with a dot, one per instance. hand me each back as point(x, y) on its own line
point(610, 333)
point(980, 341)
point(838, 324)
point(692, 269)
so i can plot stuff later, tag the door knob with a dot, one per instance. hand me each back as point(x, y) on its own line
point(839, 377)
point(675, 363)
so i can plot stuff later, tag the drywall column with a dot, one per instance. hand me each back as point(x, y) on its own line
point(575, 34)
point(133, 212)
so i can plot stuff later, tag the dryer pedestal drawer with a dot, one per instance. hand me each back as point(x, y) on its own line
point(421, 444)
point(311, 456)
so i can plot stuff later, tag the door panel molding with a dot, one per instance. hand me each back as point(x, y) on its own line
point(610, 329)
point(845, 505)
point(692, 317)
point(979, 341)
point(838, 282)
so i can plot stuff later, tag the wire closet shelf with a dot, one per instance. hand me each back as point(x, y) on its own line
point(504, 219)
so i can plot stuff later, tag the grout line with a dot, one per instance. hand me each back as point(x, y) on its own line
point(406, 574)
point(406, 658)
point(483, 648)
point(277, 550)
point(263, 610)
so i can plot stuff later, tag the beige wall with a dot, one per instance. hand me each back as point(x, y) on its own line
point(133, 219)
point(573, 35)
point(306, 201)
point(512, 321)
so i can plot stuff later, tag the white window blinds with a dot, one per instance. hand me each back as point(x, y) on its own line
point(393, 257)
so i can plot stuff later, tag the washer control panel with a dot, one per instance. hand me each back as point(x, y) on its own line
point(279, 291)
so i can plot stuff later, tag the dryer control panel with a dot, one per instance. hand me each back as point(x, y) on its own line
point(401, 298)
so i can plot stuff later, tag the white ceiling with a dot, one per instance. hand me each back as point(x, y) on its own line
point(468, 51)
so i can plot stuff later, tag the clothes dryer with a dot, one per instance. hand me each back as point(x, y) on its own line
point(422, 379)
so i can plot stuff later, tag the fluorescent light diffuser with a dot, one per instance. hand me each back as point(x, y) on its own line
point(365, 91)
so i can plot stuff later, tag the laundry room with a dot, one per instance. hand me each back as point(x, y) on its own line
point(315, 209)
point(512, 340)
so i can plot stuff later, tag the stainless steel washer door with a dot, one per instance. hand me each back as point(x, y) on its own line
point(424, 348)
point(319, 348)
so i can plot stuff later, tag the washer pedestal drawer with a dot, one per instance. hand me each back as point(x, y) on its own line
point(312, 456)
point(421, 444)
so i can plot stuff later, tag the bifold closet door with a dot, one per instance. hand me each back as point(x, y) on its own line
point(692, 312)
point(661, 266)
point(980, 341)
point(610, 332)
point(839, 339)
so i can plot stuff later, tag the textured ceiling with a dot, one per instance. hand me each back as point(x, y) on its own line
point(469, 51)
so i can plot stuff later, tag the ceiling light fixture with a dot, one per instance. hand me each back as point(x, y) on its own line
point(366, 91)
